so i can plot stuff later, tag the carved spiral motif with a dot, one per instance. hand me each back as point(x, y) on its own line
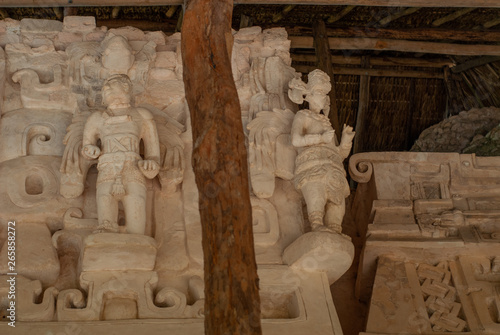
point(359, 169)
point(171, 298)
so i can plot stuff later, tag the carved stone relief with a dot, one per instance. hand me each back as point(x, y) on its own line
point(430, 261)
point(95, 152)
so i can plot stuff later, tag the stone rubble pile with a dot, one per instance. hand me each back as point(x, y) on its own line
point(456, 133)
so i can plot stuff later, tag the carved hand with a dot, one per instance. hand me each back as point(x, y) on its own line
point(149, 168)
point(347, 133)
point(327, 136)
point(91, 151)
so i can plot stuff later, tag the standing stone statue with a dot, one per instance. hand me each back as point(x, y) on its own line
point(122, 170)
point(319, 172)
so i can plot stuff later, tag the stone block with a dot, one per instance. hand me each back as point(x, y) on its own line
point(166, 59)
point(79, 24)
point(35, 256)
point(118, 252)
point(40, 26)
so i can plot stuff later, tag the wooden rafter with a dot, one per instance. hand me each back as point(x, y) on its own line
point(452, 16)
point(394, 16)
point(282, 14)
point(374, 72)
point(475, 63)
point(341, 14)
point(382, 3)
point(492, 23)
point(400, 45)
point(171, 11)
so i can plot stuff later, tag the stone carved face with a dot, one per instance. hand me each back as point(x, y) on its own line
point(318, 87)
point(317, 99)
point(117, 55)
point(117, 90)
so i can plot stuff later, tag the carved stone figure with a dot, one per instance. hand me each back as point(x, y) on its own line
point(319, 172)
point(122, 171)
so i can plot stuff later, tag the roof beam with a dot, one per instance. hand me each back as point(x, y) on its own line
point(302, 42)
point(420, 34)
point(383, 3)
point(379, 61)
point(374, 72)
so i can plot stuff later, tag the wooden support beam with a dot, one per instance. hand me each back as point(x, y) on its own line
point(374, 72)
point(245, 21)
point(58, 12)
point(324, 63)
point(70, 11)
point(410, 113)
point(421, 34)
point(381, 3)
point(491, 23)
point(171, 11)
point(379, 61)
point(363, 103)
point(341, 14)
point(394, 16)
point(178, 27)
point(3, 14)
point(475, 63)
point(303, 42)
point(232, 303)
point(115, 12)
point(452, 16)
point(282, 14)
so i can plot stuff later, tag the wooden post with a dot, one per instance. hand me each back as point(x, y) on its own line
point(364, 101)
point(408, 143)
point(324, 63)
point(220, 165)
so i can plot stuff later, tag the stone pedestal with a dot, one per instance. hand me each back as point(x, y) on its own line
point(321, 252)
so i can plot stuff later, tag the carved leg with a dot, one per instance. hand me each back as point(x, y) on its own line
point(107, 209)
point(334, 216)
point(315, 197)
point(134, 204)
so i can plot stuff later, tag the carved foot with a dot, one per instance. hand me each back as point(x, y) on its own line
point(322, 228)
point(106, 227)
point(334, 229)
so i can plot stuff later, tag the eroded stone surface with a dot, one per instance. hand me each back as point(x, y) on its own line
point(457, 132)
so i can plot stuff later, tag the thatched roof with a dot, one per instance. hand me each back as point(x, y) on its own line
point(404, 98)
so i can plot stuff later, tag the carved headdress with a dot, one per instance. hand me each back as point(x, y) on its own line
point(318, 81)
